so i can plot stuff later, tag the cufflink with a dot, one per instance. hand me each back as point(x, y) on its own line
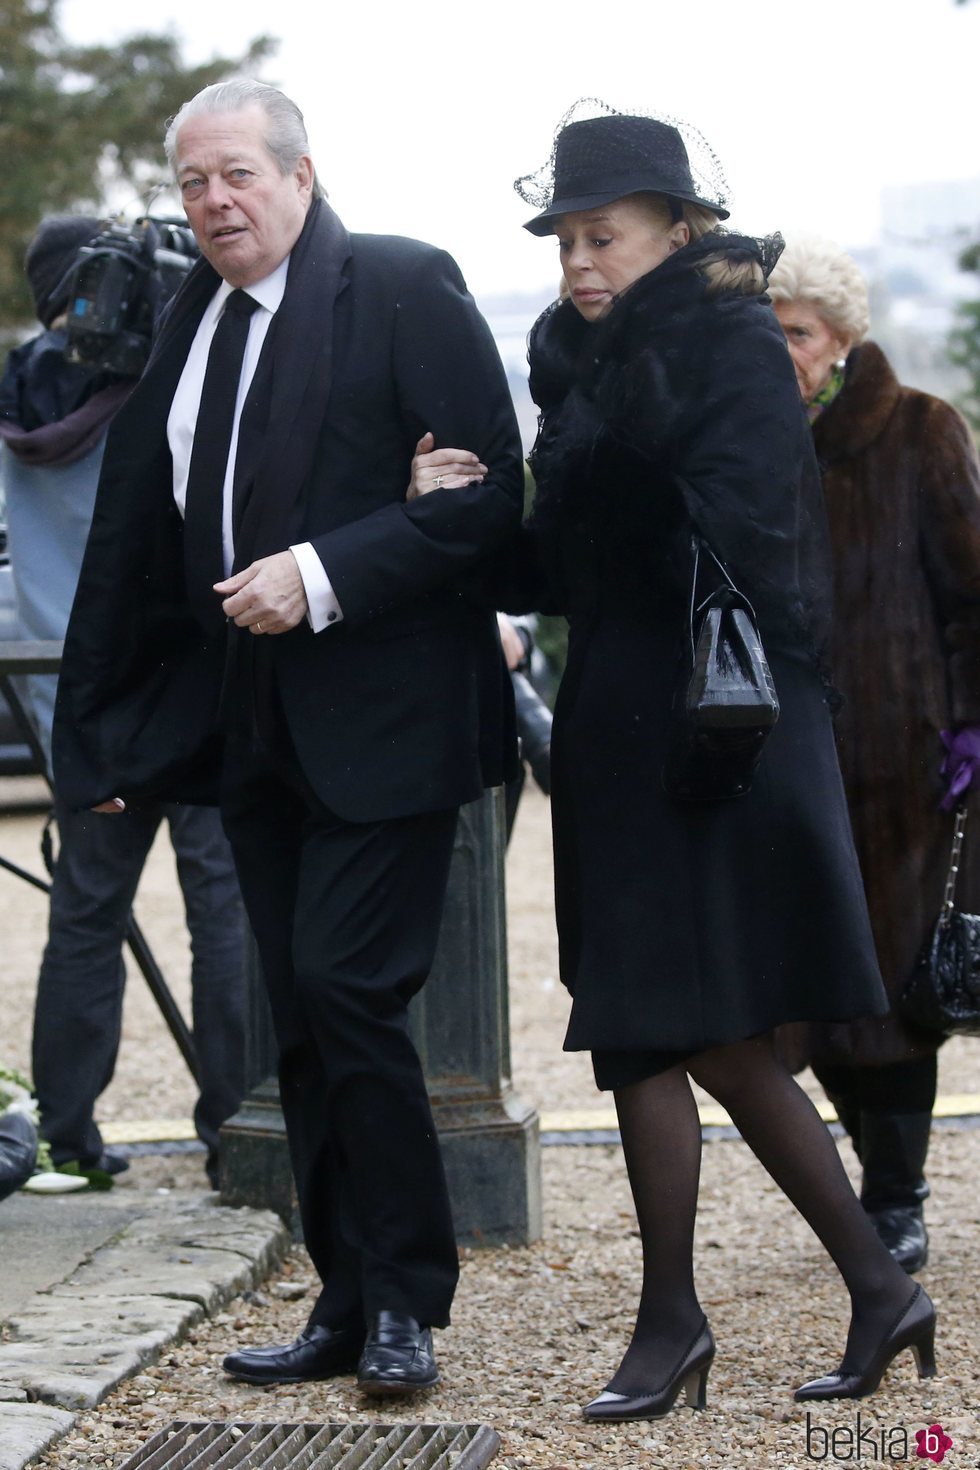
point(331, 617)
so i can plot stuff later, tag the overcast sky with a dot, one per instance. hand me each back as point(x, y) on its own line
point(421, 115)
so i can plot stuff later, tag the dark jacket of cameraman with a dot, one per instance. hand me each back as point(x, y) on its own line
point(53, 421)
point(53, 412)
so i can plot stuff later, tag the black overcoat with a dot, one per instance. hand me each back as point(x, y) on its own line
point(684, 926)
point(402, 707)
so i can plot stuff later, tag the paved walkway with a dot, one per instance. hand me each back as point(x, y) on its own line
point(93, 1287)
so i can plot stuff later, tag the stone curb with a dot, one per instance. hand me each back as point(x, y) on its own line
point(117, 1311)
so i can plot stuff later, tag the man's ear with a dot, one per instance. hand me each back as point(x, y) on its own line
point(304, 173)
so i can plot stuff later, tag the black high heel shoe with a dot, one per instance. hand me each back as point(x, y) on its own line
point(691, 1374)
point(914, 1328)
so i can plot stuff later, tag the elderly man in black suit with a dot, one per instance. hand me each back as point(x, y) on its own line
point(261, 612)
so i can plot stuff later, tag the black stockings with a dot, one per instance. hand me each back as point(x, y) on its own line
point(662, 1144)
point(661, 1133)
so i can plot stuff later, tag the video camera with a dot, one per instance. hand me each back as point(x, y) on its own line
point(118, 285)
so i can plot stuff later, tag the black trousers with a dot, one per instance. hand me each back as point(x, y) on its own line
point(901, 1087)
point(888, 1113)
point(346, 918)
point(78, 1011)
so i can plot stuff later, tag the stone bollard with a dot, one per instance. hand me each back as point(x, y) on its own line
point(460, 1025)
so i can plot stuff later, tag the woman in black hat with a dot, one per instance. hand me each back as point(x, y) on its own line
point(689, 929)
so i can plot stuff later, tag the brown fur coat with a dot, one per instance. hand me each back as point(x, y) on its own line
point(902, 490)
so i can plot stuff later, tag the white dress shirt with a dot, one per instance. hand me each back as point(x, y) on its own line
point(322, 603)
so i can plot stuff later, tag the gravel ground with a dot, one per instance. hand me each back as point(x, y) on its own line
point(539, 1331)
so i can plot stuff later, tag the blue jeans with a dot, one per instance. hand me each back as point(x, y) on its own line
point(78, 1011)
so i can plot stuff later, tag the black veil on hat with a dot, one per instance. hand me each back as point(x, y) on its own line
point(600, 155)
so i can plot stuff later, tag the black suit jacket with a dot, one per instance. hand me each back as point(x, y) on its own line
point(400, 708)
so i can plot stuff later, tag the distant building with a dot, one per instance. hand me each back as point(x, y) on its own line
point(915, 279)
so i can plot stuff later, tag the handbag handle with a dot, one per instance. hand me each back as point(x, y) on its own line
point(946, 911)
point(697, 543)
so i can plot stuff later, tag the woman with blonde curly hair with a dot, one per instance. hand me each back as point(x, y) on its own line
point(902, 491)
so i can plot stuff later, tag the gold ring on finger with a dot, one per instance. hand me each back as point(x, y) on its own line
point(259, 627)
point(437, 482)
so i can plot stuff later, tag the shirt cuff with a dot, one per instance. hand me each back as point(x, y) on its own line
point(321, 600)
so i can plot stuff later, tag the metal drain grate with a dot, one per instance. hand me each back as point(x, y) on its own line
point(184, 1445)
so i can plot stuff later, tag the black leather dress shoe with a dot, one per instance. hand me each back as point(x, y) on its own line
point(318, 1352)
point(914, 1328)
point(691, 1375)
point(902, 1231)
point(397, 1356)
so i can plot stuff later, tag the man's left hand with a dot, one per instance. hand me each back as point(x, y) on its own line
point(267, 597)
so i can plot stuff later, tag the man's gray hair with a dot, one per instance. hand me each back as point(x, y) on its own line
point(285, 135)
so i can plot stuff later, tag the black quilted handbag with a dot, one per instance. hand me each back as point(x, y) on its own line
point(725, 704)
point(943, 991)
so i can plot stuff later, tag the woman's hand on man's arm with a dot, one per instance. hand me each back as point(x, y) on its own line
point(442, 469)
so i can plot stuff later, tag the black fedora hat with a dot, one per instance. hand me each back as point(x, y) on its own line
point(599, 159)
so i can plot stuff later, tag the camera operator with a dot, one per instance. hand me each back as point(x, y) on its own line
point(54, 414)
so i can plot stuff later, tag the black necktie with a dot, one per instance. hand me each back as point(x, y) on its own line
point(203, 506)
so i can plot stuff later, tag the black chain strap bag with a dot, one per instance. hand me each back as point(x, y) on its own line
point(943, 992)
point(725, 704)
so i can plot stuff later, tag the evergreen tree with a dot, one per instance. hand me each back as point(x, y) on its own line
point(75, 120)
